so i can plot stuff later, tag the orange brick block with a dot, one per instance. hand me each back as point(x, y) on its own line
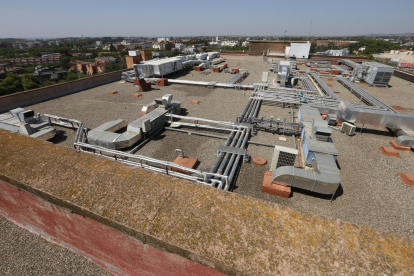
point(136, 95)
point(236, 70)
point(162, 82)
point(197, 68)
point(323, 117)
point(330, 85)
point(298, 87)
point(216, 70)
point(407, 178)
point(324, 73)
point(145, 87)
point(397, 107)
point(188, 162)
point(275, 188)
point(195, 102)
point(142, 114)
point(139, 81)
point(330, 79)
point(298, 63)
point(389, 151)
point(334, 72)
point(113, 92)
point(398, 147)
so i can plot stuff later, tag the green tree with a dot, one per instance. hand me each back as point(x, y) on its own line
point(64, 62)
point(114, 66)
point(112, 48)
point(47, 83)
point(168, 46)
point(30, 82)
point(29, 69)
point(72, 76)
point(313, 47)
point(11, 84)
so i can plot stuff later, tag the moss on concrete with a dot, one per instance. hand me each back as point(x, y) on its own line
point(233, 233)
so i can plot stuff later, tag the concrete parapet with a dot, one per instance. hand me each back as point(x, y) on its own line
point(232, 233)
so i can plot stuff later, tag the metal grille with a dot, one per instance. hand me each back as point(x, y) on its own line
point(283, 156)
point(286, 159)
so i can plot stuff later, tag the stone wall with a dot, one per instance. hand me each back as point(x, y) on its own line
point(256, 47)
point(42, 94)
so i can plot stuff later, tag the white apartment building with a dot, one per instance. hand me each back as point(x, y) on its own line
point(161, 39)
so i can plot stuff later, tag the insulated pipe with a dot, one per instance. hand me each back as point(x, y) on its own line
point(251, 111)
point(205, 126)
point(244, 110)
point(236, 163)
point(218, 159)
point(247, 114)
point(226, 156)
point(141, 157)
point(230, 162)
point(224, 85)
point(256, 111)
point(217, 136)
point(196, 133)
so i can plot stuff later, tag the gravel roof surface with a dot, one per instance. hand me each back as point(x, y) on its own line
point(371, 193)
point(24, 253)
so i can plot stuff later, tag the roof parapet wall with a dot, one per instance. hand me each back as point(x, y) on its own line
point(232, 233)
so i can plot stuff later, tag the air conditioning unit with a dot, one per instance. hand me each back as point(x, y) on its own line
point(348, 129)
point(331, 119)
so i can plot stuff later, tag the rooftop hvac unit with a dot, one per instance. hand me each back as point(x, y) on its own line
point(348, 128)
point(331, 119)
point(377, 74)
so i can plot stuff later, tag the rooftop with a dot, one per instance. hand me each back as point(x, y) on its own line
point(372, 193)
point(367, 228)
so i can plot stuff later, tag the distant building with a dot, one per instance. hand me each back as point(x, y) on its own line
point(139, 45)
point(111, 59)
point(158, 45)
point(403, 57)
point(337, 53)
point(335, 42)
point(216, 43)
point(98, 43)
point(180, 46)
point(47, 52)
point(90, 68)
point(190, 50)
point(34, 60)
point(161, 39)
point(230, 43)
point(46, 73)
point(120, 47)
point(245, 44)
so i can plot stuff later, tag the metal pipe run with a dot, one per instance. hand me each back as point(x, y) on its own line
point(221, 155)
point(216, 136)
point(236, 163)
point(225, 85)
point(196, 133)
point(145, 141)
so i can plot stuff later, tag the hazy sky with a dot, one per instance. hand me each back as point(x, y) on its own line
point(44, 18)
